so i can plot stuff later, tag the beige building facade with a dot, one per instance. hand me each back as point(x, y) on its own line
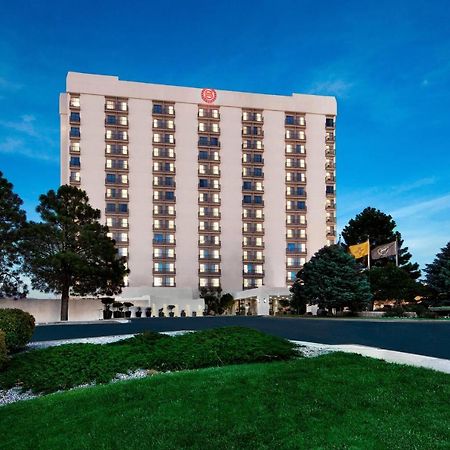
point(203, 188)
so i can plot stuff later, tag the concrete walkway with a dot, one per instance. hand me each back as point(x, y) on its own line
point(410, 359)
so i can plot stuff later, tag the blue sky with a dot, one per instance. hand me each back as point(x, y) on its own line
point(388, 64)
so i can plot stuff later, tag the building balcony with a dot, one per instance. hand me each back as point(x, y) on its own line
point(163, 110)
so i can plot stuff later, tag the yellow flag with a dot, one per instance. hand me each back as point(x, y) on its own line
point(359, 250)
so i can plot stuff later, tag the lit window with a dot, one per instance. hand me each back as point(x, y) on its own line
point(75, 102)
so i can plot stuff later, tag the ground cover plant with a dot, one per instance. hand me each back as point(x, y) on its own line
point(335, 401)
point(55, 368)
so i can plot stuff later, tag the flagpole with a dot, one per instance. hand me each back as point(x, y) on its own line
point(368, 252)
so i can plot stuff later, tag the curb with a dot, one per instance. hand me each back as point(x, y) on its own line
point(392, 356)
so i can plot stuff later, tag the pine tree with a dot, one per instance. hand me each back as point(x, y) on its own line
point(438, 274)
point(69, 253)
point(380, 228)
point(12, 220)
point(332, 279)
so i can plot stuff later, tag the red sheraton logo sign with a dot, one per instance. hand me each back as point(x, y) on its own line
point(209, 95)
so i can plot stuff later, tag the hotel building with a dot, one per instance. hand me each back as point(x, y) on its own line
point(202, 187)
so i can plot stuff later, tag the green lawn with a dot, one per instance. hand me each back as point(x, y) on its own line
point(338, 401)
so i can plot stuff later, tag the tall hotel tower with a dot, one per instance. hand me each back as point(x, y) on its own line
point(202, 187)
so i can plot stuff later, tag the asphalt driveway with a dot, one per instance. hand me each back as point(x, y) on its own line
point(430, 338)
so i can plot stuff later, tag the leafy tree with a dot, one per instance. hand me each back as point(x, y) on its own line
point(393, 283)
point(12, 220)
point(298, 299)
point(332, 279)
point(215, 301)
point(380, 228)
point(438, 274)
point(69, 253)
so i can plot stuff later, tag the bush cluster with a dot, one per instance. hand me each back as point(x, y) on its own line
point(18, 327)
point(3, 351)
point(54, 368)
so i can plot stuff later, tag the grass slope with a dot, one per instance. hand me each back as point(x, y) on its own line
point(56, 368)
point(337, 401)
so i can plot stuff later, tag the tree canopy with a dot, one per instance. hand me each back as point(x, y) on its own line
point(438, 274)
point(393, 283)
point(380, 228)
point(215, 300)
point(332, 279)
point(12, 220)
point(69, 252)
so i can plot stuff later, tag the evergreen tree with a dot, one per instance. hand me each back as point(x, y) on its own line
point(332, 279)
point(380, 228)
point(12, 220)
point(438, 274)
point(298, 299)
point(393, 283)
point(69, 253)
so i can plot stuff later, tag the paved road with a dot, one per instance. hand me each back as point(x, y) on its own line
point(422, 337)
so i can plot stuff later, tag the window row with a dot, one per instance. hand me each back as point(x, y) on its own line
point(295, 205)
point(213, 282)
point(253, 269)
point(116, 105)
point(163, 281)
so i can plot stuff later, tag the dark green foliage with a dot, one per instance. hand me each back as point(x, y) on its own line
point(215, 301)
point(3, 351)
point(298, 299)
point(12, 220)
point(380, 228)
point(18, 327)
point(393, 283)
point(396, 311)
point(337, 401)
point(438, 276)
point(70, 252)
point(332, 279)
point(55, 368)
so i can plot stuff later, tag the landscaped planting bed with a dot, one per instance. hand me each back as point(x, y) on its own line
point(336, 401)
point(58, 368)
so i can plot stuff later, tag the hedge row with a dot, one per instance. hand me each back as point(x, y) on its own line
point(3, 351)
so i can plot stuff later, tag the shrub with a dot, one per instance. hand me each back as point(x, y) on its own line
point(3, 352)
point(18, 326)
point(54, 368)
point(395, 311)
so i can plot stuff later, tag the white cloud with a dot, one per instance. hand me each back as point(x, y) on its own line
point(6, 85)
point(25, 125)
point(14, 146)
point(331, 86)
point(423, 208)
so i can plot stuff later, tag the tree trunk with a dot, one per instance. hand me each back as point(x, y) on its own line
point(65, 304)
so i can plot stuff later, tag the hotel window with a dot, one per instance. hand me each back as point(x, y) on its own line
point(158, 281)
point(74, 117)
point(75, 161)
point(75, 132)
point(75, 176)
point(123, 251)
point(75, 102)
point(75, 147)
